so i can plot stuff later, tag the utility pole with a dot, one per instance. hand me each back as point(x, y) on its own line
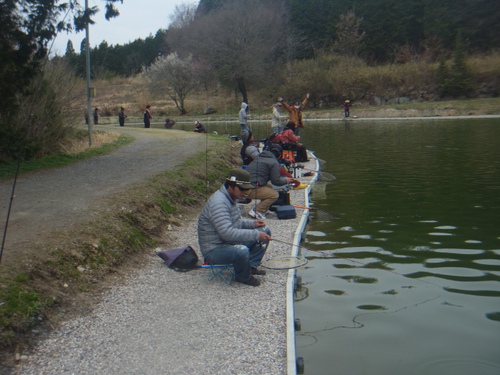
point(87, 58)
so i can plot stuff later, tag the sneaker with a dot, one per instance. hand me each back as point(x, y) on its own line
point(256, 215)
point(252, 281)
point(256, 271)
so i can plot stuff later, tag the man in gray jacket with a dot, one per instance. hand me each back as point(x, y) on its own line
point(264, 171)
point(243, 118)
point(225, 238)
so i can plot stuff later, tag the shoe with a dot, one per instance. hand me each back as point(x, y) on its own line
point(301, 186)
point(308, 174)
point(256, 271)
point(252, 281)
point(256, 215)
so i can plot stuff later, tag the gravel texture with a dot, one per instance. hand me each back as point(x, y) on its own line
point(158, 321)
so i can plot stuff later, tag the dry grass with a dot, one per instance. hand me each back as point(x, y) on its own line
point(81, 144)
point(328, 77)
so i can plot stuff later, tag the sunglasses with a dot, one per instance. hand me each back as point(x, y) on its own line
point(242, 189)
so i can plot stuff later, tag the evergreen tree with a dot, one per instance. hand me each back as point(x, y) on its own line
point(70, 50)
point(349, 38)
point(457, 80)
point(26, 28)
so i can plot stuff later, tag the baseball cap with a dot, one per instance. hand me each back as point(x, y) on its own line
point(241, 177)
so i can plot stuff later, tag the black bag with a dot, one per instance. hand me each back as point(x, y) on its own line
point(182, 259)
point(283, 199)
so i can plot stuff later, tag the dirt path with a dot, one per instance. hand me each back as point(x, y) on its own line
point(47, 201)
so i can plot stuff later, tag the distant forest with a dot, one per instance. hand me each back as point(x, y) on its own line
point(377, 31)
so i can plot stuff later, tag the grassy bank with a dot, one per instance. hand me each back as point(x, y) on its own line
point(60, 274)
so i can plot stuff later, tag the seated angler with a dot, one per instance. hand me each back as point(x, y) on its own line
point(225, 238)
point(290, 141)
point(249, 151)
point(265, 172)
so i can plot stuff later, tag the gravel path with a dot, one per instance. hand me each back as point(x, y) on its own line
point(158, 321)
point(50, 200)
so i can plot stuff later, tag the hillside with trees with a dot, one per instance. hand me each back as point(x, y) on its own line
point(370, 51)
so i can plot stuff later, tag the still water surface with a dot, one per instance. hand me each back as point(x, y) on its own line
point(406, 279)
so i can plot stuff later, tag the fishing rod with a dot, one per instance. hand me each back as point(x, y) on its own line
point(9, 209)
point(324, 175)
point(367, 265)
point(318, 209)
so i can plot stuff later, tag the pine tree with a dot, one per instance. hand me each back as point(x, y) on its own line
point(457, 80)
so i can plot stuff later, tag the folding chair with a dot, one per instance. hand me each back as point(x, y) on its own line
point(225, 272)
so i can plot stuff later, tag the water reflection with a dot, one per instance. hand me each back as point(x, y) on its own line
point(413, 260)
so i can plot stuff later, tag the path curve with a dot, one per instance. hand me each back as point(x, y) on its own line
point(46, 201)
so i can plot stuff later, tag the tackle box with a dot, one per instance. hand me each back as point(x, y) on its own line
point(286, 212)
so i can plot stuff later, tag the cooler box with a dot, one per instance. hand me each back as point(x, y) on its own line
point(286, 212)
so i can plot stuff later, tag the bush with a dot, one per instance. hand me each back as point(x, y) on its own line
point(47, 113)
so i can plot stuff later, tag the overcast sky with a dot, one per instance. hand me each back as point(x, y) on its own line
point(137, 19)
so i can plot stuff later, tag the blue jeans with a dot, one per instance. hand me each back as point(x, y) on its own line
point(243, 257)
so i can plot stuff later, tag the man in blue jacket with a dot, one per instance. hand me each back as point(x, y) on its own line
point(225, 238)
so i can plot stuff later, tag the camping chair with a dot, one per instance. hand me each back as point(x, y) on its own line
point(225, 272)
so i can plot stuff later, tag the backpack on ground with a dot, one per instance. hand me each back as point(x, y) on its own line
point(182, 259)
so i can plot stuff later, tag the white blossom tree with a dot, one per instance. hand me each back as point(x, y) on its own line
point(173, 75)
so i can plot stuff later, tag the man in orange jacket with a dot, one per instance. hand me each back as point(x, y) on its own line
point(296, 112)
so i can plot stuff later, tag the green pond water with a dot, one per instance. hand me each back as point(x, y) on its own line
point(406, 278)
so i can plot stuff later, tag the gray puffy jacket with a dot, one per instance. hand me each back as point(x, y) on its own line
point(220, 223)
point(265, 168)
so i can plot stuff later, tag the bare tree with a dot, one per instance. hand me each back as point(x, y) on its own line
point(173, 75)
point(183, 15)
point(244, 41)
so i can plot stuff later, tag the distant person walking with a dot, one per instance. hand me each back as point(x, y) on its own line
point(147, 117)
point(96, 116)
point(121, 116)
point(347, 107)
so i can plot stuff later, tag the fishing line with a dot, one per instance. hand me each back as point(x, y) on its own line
point(358, 324)
point(320, 210)
point(9, 209)
point(366, 265)
point(323, 175)
point(206, 165)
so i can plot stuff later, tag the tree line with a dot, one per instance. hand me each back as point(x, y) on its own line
point(242, 45)
point(378, 31)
